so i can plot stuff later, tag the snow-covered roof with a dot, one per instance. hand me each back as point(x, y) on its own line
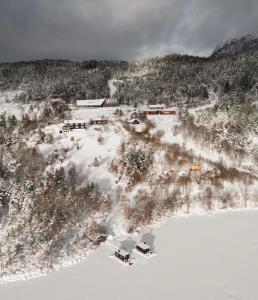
point(143, 246)
point(99, 120)
point(93, 102)
point(74, 121)
point(111, 100)
point(123, 252)
point(156, 106)
point(171, 109)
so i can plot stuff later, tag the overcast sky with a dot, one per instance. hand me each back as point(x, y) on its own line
point(119, 29)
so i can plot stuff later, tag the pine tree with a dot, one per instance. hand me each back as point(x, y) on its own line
point(12, 121)
point(3, 120)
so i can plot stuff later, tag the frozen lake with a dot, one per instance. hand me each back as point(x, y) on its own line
point(199, 258)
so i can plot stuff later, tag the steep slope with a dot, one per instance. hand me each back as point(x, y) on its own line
point(237, 46)
point(59, 78)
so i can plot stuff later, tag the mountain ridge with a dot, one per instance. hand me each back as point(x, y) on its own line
point(237, 45)
point(173, 78)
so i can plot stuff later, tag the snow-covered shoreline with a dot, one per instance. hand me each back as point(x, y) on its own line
point(209, 256)
point(80, 258)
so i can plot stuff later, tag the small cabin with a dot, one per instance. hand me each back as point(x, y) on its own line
point(75, 124)
point(151, 112)
point(143, 248)
point(122, 255)
point(195, 168)
point(98, 122)
point(72, 124)
point(65, 128)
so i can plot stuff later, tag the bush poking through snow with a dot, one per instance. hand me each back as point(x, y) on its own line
point(100, 139)
point(96, 162)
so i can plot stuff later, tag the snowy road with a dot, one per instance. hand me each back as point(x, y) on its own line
point(199, 258)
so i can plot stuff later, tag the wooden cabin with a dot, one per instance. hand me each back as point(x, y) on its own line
point(122, 255)
point(98, 122)
point(65, 128)
point(72, 124)
point(75, 124)
point(143, 248)
point(160, 112)
point(151, 112)
point(195, 168)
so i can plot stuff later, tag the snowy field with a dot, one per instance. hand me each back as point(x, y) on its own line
point(199, 258)
point(88, 146)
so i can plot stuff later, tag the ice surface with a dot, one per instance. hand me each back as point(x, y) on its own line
point(199, 258)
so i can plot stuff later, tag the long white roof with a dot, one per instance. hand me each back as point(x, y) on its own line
point(156, 106)
point(74, 121)
point(93, 102)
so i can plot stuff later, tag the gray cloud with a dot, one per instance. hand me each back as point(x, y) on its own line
point(119, 29)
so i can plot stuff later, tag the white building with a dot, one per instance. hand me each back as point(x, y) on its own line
point(95, 103)
point(111, 102)
point(91, 103)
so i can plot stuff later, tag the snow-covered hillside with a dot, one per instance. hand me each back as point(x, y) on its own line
point(79, 187)
point(82, 147)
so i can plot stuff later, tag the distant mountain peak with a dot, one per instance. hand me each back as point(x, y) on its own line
point(237, 45)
